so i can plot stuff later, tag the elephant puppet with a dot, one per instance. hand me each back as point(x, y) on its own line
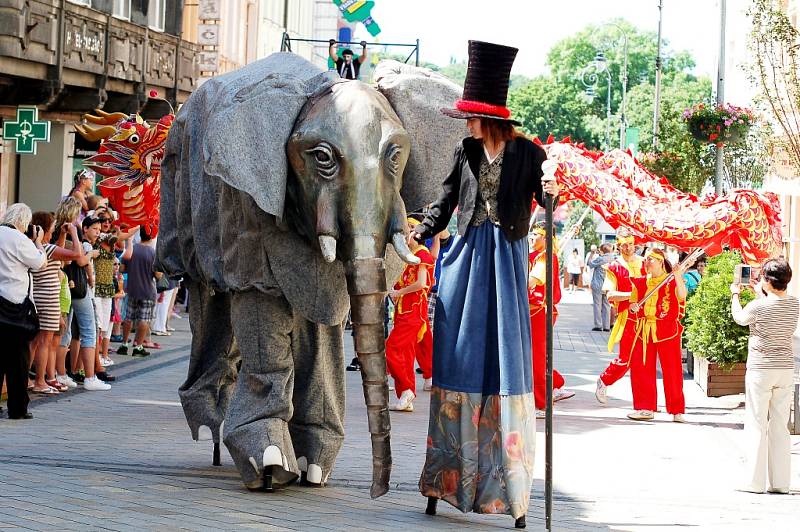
point(281, 188)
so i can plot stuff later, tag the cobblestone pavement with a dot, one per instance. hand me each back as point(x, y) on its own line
point(124, 460)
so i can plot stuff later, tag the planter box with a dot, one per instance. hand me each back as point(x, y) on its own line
point(715, 381)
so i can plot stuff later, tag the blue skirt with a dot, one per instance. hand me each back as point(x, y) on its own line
point(482, 427)
point(482, 328)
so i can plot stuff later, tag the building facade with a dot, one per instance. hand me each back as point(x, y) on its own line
point(69, 57)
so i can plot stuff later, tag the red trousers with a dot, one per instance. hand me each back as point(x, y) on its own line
point(643, 375)
point(539, 347)
point(619, 366)
point(403, 346)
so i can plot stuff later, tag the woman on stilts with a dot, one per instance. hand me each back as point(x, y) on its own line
point(482, 427)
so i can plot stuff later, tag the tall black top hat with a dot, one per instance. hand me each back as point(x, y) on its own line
point(486, 86)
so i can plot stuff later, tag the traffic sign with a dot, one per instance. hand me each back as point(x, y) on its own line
point(27, 130)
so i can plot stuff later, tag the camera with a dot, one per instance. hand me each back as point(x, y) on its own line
point(32, 231)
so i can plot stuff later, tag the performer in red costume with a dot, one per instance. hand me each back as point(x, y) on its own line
point(537, 265)
point(655, 331)
point(411, 335)
point(618, 287)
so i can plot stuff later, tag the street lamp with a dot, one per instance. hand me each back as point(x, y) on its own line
point(590, 76)
point(623, 121)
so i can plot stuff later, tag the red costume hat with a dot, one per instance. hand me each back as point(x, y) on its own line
point(486, 85)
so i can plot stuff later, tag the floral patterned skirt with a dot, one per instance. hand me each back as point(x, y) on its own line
point(482, 427)
point(480, 452)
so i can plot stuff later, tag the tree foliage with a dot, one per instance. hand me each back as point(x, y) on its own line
point(711, 332)
point(774, 46)
point(588, 228)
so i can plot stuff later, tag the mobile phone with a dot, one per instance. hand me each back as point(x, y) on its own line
point(742, 274)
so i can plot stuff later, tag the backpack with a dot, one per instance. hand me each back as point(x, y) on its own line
point(78, 280)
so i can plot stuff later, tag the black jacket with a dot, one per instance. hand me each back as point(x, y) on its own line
point(520, 183)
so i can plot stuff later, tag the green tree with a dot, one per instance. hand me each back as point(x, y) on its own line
point(588, 227)
point(686, 163)
point(545, 107)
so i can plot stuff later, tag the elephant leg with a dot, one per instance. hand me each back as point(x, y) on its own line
point(317, 426)
point(212, 364)
point(257, 420)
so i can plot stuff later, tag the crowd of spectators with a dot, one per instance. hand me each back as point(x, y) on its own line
point(91, 281)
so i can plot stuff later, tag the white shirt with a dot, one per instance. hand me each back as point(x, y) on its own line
point(18, 254)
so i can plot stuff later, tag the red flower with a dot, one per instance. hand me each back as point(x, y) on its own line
point(513, 445)
point(712, 137)
point(450, 481)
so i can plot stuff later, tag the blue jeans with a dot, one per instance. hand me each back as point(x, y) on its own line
point(83, 311)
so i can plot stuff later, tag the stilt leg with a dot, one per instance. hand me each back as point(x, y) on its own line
point(431, 508)
point(268, 478)
point(217, 461)
point(520, 522)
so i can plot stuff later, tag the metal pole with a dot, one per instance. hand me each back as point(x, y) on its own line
point(416, 63)
point(657, 103)
point(549, 169)
point(720, 94)
point(623, 126)
point(608, 114)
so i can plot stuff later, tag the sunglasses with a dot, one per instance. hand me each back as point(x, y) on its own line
point(104, 220)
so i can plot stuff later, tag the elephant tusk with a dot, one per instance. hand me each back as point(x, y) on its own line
point(328, 246)
point(400, 246)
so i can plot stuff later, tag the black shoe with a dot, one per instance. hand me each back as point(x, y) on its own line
point(419, 371)
point(104, 376)
point(77, 377)
point(606, 330)
point(355, 365)
point(122, 350)
point(26, 415)
point(139, 351)
point(597, 329)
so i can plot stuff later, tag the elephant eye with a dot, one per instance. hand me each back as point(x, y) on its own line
point(393, 157)
point(326, 162)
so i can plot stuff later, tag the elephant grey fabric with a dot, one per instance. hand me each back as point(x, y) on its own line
point(213, 362)
point(264, 169)
point(417, 96)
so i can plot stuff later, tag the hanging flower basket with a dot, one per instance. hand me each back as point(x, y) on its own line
point(720, 125)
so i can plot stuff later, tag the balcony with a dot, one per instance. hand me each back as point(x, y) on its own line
point(74, 59)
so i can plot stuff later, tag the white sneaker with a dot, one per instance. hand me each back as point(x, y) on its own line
point(95, 385)
point(67, 381)
point(109, 361)
point(428, 384)
point(405, 403)
point(678, 418)
point(540, 414)
point(600, 392)
point(641, 415)
point(560, 395)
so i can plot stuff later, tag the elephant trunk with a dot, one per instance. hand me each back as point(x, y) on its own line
point(366, 284)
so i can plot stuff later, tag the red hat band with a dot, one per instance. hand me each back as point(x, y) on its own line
point(470, 106)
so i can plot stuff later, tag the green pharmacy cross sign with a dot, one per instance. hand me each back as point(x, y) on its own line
point(26, 130)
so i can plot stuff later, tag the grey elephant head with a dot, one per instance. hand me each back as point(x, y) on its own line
point(326, 160)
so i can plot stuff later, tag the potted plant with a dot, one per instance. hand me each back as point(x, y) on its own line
point(718, 124)
point(718, 344)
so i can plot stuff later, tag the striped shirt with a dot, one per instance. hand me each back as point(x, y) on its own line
point(772, 322)
point(46, 289)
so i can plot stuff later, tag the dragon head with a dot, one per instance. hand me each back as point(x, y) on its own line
point(129, 158)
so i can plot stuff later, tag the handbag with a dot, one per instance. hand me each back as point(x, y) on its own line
point(162, 284)
point(22, 316)
point(78, 281)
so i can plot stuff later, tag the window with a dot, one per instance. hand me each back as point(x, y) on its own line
point(155, 14)
point(122, 9)
point(82, 2)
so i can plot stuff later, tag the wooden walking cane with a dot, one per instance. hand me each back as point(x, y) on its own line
point(693, 256)
point(549, 169)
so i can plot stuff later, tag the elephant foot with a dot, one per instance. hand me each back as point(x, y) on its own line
point(273, 472)
point(310, 474)
point(431, 508)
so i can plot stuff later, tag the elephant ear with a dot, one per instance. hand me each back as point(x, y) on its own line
point(250, 121)
point(417, 96)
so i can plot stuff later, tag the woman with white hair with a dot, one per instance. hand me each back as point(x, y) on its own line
point(20, 251)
